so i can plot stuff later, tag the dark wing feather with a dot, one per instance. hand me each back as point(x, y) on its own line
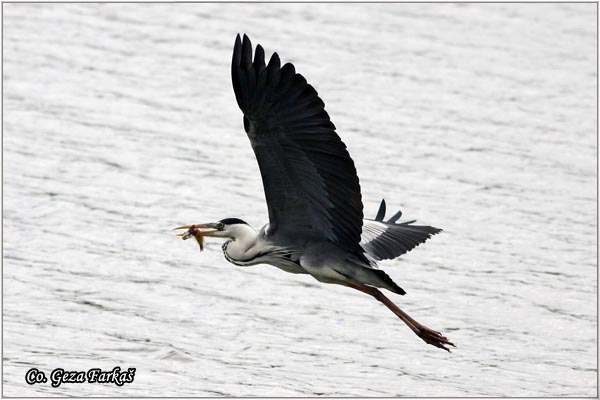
point(386, 240)
point(309, 179)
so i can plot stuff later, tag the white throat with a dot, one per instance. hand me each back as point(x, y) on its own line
point(242, 244)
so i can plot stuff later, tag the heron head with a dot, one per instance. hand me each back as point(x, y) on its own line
point(225, 228)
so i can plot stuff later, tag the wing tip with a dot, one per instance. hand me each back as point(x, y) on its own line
point(259, 58)
point(238, 51)
point(381, 212)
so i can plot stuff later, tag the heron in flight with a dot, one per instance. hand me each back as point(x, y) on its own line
point(316, 223)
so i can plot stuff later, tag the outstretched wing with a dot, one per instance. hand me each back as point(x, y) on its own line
point(385, 240)
point(309, 179)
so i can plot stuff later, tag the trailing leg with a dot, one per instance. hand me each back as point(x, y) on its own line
point(428, 335)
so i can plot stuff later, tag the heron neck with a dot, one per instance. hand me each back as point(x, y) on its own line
point(242, 245)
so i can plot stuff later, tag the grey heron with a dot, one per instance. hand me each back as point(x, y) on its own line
point(316, 223)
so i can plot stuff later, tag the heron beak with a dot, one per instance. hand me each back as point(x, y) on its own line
point(197, 232)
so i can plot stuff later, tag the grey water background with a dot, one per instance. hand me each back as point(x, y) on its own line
point(120, 123)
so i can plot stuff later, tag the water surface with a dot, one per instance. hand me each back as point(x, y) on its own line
point(120, 123)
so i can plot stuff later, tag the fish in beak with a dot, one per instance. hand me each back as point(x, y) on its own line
point(198, 231)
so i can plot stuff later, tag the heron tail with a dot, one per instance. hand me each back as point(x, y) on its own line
point(368, 275)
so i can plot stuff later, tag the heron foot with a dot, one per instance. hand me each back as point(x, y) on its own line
point(433, 338)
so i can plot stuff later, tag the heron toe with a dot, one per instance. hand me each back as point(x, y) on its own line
point(433, 338)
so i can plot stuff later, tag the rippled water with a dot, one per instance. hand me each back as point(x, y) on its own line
point(120, 123)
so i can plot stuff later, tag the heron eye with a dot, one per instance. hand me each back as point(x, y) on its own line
point(221, 226)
